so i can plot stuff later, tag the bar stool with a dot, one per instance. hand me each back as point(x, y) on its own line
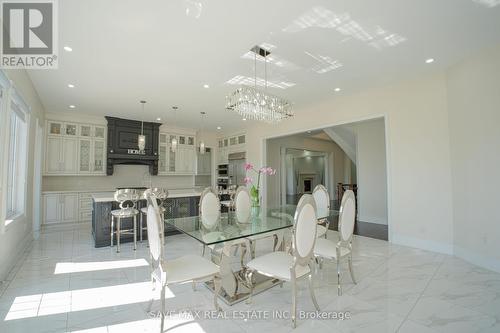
point(128, 199)
point(161, 195)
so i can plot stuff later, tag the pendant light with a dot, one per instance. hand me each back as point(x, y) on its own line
point(141, 141)
point(173, 143)
point(202, 143)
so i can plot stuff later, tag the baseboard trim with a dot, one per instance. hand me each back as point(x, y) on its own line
point(422, 244)
point(477, 259)
point(371, 219)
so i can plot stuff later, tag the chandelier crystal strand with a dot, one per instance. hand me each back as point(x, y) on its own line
point(252, 103)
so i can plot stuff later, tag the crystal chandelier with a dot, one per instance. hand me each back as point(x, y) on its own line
point(252, 103)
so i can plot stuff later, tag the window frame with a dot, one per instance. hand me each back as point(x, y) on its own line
point(10, 97)
point(14, 178)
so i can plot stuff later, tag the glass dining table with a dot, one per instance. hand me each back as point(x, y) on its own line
point(231, 233)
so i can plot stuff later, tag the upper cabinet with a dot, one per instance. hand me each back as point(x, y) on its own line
point(75, 149)
point(182, 161)
point(231, 144)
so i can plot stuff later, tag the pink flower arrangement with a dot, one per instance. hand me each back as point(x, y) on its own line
point(254, 191)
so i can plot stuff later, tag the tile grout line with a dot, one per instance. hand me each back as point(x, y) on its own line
point(420, 296)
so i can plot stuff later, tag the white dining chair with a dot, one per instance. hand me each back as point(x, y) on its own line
point(336, 251)
point(188, 268)
point(322, 199)
point(242, 205)
point(288, 266)
point(210, 213)
point(161, 195)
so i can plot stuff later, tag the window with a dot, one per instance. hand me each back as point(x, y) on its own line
point(16, 164)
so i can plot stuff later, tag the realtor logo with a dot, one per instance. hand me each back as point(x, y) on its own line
point(29, 34)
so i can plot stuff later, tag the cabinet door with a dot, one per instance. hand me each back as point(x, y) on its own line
point(84, 155)
point(100, 132)
point(241, 139)
point(70, 157)
point(86, 130)
point(69, 209)
point(179, 160)
point(71, 129)
point(99, 157)
point(55, 128)
point(162, 159)
point(53, 155)
point(190, 160)
point(51, 208)
point(172, 160)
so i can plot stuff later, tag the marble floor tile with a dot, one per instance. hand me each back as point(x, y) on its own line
point(64, 284)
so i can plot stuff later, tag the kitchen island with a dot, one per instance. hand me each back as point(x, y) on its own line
point(180, 203)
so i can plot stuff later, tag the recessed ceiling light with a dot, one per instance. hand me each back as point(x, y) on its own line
point(219, 128)
point(308, 132)
point(71, 85)
point(72, 106)
point(337, 89)
point(68, 49)
point(158, 119)
point(429, 61)
point(244, 119)
point(206, 86)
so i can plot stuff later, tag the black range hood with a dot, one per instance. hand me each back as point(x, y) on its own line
point(123, 146)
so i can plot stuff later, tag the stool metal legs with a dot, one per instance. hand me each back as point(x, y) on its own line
point(118, 229)
point(112, 229)
point(135, 232)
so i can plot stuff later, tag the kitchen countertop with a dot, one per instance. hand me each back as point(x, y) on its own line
point(109, 196)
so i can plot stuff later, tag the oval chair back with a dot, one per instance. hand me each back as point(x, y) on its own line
point(153, 227)
point(242, 204)
point(161, 195)
point(322, 199)
point(347, 216)
point(304, 230)
point(127, 198)
point(209, 208)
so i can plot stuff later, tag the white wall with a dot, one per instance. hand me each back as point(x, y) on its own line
point(15, 237)
point(474, 113)
point(371, 171)
point(418, 152)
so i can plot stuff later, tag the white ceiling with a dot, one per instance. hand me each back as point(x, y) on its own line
point(165, 51)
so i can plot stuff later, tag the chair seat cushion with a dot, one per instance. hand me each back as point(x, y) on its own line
point(189, 268)
point(327, 249)
point(144, 210)
point(320, 230)
point(277, 264)
point(126, 212)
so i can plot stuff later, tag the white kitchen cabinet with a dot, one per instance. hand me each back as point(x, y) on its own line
point(162, 159)
point(180, 162)
point(99, 156)
point(61, 156)
point(185, 160)
point(75, 149)
point(69, 208)
point(228, 145)
point(204, 163)
point(51, 208)
point(84, 151)
point(69, 158)
point(53, 155)
point(60, 208)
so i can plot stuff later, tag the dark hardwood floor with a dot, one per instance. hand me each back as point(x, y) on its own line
point(365, 229)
